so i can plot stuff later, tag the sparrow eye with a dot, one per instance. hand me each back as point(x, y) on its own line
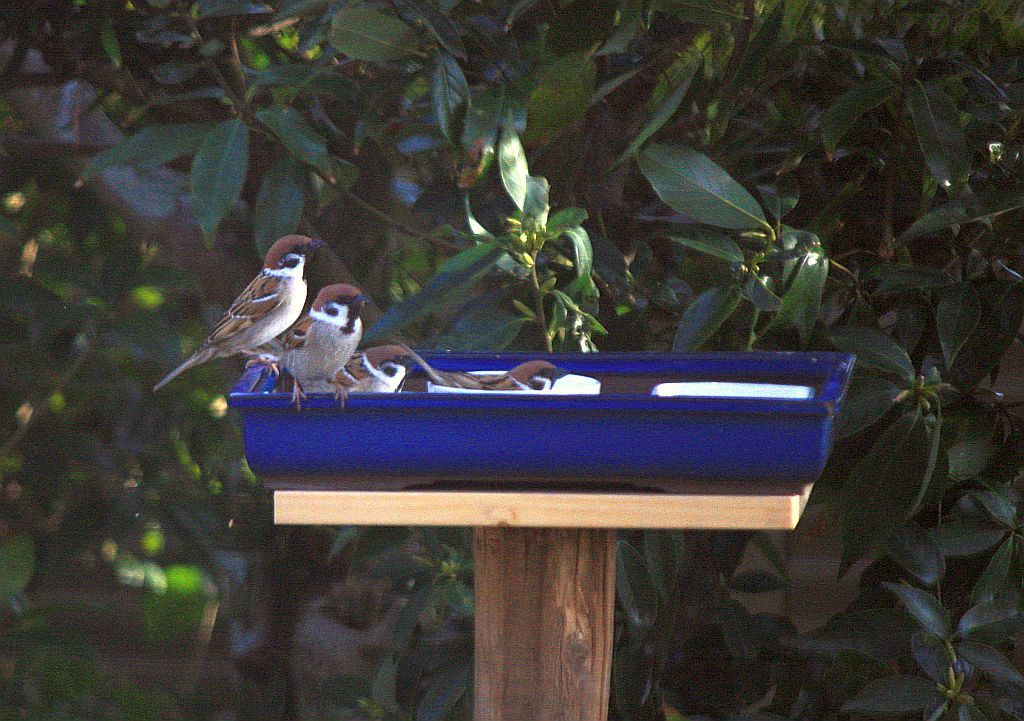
point(389, 370)
point(290, 262)
point(331, 310)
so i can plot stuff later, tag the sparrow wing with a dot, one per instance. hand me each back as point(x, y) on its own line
point(352, 373)
point(295, 337)
point(503, 382)
point(260, 298)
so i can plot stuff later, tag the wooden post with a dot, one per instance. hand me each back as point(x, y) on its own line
point(545, 602)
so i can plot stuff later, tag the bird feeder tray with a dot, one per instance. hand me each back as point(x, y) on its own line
point(625, 437)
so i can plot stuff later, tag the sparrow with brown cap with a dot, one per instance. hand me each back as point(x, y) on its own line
point(265, 309)
point(323, 341)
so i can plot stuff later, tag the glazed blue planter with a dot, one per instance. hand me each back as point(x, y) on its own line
point(624, 435)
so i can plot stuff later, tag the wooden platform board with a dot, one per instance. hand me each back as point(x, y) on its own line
point(706, 506)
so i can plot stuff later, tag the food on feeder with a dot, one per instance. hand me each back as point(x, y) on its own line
point(267, 306)
point(536, 376)
point(714, 389)
point(380, 369)
point(316, 347)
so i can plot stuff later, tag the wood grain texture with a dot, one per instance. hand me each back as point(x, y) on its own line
point(545, 599)
point(719, 507)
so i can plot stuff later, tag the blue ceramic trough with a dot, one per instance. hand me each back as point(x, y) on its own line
point(624, 435)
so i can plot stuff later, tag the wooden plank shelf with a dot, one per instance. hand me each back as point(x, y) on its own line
point(708, 506)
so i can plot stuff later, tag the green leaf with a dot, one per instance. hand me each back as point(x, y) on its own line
point(580, 25)
point(483, 324)
point(293, 8)
point(492, 110)
point(956, 318)
point(763, 542)
point(690, 183)
point(666, 108)
point(931, 655)
point(710, 242)
point(998, 503)
point(566, 218)
point(153, 145)
point(450, 96)
point(1001, 317)
point(108, 37)
point(362, 33)
point(296, 135)
point(17, 564)
point(635, 590)
point(967, 536)
point(780, 199)
point(966, 209)
point(456, 275)
point(939, 135)
point(663, 555)
point(802, 302)
point(991, 621)
point(174, 608)
point(881, 633)
point(512, 166)
point(894, 695)
point(343, 690)
point(756, 581)
point(758, 291)
point(874, 349)
point(444, 691)
point(990, 661)
point(704, 316)
point(536, 203)
point(228, 8)
point(924, 607)
point(971, 452)
point(278, 206)
point(883, 487)
point(218, 172)
point(844, 113)
point(993, 579)
point(423, 14)
point(867, 400)
point(917, 552)
point(561, 97)
point(630, 21)
point(582, 250)
point(968, 712)
point(896, 278)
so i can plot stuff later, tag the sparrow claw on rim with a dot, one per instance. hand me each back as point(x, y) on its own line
point(340, 395)
point(298, 395)
point(263, 359)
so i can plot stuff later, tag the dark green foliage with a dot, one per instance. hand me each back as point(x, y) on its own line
point(680, 175)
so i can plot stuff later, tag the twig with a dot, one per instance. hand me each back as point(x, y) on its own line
point(261, 30)
point(538, 300)
point(742, 37)
point(39, 407)
point(378, 213)
point(888, 200)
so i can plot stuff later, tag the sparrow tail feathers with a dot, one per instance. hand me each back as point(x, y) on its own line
point(200, 356)
point(431, 373)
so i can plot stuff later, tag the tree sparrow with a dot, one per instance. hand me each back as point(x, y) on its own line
point(538, 375)
point(380, 369)
point(315, 348)
point(266, 308)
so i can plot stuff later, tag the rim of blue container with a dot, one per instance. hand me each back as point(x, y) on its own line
point(829, 372)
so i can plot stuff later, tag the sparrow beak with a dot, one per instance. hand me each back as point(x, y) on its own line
point(360, 300)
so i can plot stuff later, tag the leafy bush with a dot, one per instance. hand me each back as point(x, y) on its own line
point(772, 175)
